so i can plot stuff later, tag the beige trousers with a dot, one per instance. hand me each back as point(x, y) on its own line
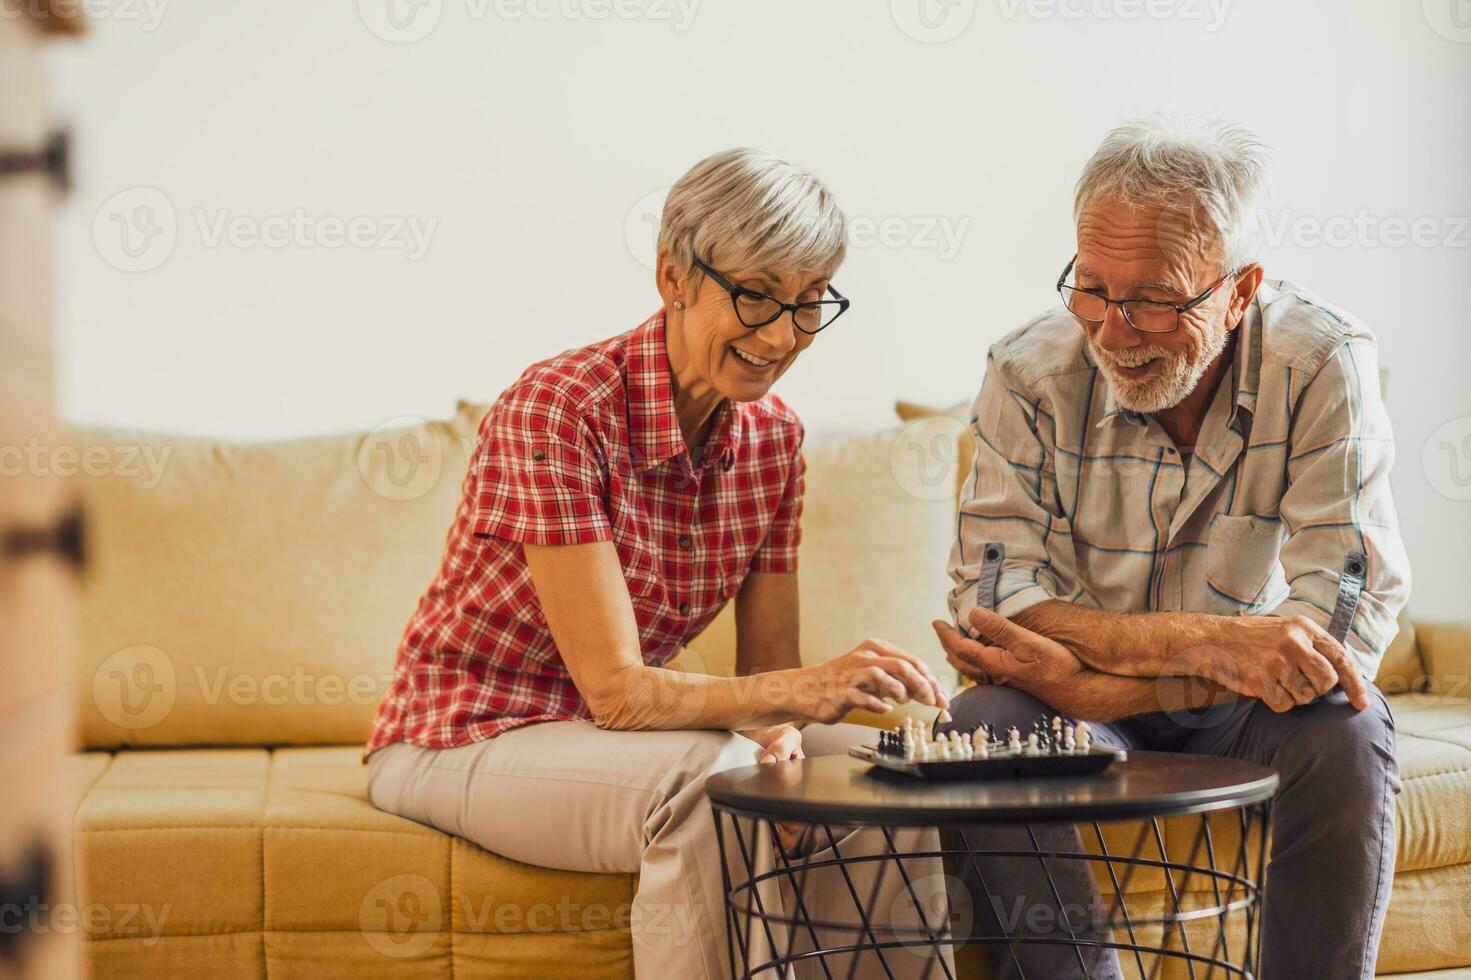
point(569, 795)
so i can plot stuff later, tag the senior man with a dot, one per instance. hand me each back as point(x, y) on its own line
point(1180, 500)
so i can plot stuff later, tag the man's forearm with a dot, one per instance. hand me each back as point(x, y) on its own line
point(1097, 696)
point(1130, 644)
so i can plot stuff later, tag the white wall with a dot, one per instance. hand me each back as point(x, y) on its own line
point(533, 133)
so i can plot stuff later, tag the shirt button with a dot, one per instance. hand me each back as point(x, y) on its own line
point(684, 608)
point(685, 541)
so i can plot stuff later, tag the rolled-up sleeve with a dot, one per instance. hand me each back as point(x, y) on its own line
point(1013, 543)
point(538, 472)
point(1338, 512)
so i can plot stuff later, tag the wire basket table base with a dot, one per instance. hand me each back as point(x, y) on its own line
point(1203, 921)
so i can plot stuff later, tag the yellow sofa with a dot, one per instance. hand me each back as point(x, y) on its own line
point(238, 625)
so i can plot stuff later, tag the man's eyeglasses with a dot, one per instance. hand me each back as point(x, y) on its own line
point(755, 309)
point(1146, 315)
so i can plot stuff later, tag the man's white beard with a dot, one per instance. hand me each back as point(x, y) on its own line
point(1167, 385)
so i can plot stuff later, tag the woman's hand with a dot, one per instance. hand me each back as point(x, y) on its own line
point(863, 678)
point(778, 744)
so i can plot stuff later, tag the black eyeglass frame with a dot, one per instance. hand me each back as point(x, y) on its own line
point(1122, 303)
point(736, 292)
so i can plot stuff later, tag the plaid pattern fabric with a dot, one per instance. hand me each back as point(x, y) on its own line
point(587, 447)
point(1091, 503)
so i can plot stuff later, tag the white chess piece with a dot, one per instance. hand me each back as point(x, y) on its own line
point(1033, 746)
point(1085, 736)
point(1014, 739)
point(1068, 742)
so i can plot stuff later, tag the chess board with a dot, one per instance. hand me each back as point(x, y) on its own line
point(986, 754)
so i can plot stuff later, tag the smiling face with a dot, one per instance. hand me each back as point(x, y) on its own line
point(712, 352)
point(1129, 252)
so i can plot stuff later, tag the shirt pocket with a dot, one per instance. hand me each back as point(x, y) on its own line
point(733, 567)
point(727, 589)
point(1243, 568)
point(642, 573)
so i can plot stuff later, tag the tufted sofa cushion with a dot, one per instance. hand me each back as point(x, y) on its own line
point(273, 863)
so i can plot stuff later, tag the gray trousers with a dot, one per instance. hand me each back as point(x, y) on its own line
point(1333, 838)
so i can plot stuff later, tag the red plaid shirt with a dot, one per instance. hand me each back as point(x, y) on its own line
point(587, 447)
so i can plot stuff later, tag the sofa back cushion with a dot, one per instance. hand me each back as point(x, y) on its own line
point(253, 593)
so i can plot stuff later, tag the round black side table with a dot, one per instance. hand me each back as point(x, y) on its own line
point(830, 792)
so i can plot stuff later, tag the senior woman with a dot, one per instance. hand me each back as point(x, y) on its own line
point(619, 495)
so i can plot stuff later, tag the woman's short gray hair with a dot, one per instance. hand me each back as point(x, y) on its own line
point(1214, 165)
point(754, 211)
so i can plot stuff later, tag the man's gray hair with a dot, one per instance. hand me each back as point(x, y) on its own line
point(751, 210)
point(1217, 166)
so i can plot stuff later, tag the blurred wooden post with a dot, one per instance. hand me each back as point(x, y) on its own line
point(36, 581)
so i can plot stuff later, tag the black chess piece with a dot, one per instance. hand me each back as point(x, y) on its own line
point(1042, 728)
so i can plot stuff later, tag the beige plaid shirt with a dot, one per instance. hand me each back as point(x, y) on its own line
point(1284, 507)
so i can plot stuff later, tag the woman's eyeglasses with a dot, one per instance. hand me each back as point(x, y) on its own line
point(755, 309)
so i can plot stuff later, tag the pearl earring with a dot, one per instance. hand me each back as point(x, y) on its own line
point(679, 304)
